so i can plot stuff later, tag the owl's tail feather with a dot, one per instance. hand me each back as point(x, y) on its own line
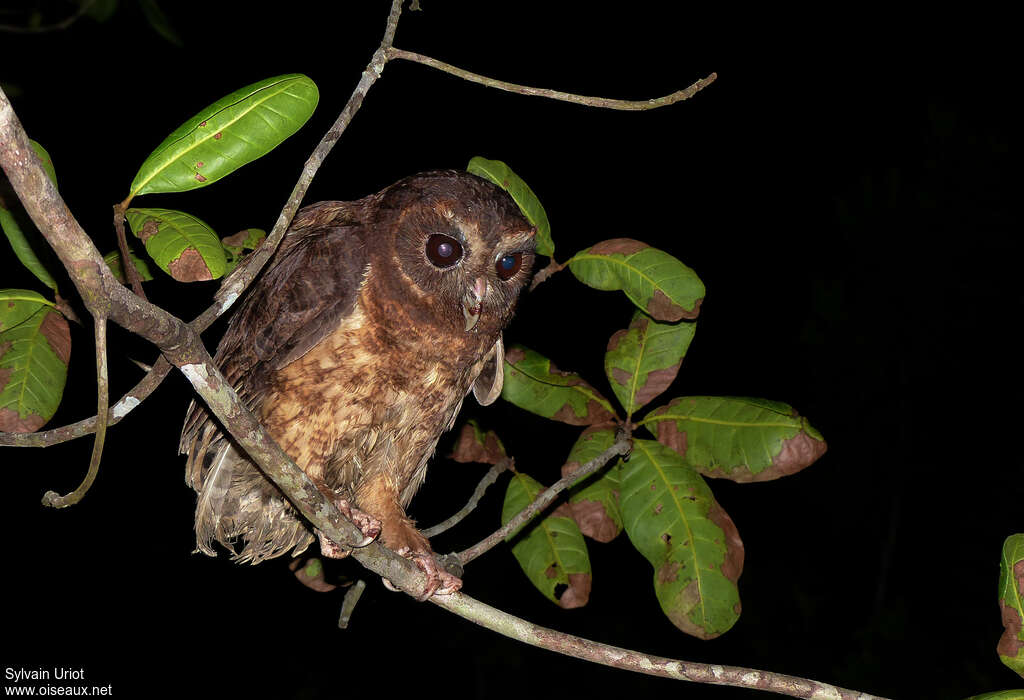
point(236, 502)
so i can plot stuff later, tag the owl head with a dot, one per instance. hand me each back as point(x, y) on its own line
point(462, 247)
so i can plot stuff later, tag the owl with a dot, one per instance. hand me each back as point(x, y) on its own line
point(355, 348)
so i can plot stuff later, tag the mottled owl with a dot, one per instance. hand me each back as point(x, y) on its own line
point(355, 348)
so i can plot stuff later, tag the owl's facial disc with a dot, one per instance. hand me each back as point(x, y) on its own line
point(473, 301)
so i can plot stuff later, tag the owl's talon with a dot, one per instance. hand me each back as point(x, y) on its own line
point(439, 581)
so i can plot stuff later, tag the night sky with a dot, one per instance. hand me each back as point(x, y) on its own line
point(844, 192)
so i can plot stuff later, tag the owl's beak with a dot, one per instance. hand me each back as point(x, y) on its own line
point(473, 301)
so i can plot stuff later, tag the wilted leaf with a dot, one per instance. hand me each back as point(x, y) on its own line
point(741, 439)
point(113, 261)
point(1011, 603)
point(23, 248)
point(233, 131)
point(33, 367)
point(594, 500)
point(672, 518)
point(643, 360)
point(656, 282)
point(533, 383)
point(235, 246)
point(550, 550)
point(475, 445)
point(183, 246)
point(502, 176)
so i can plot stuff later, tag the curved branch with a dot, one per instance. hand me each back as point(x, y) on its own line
point(489, 478)
point(603, 102)
point(630, 660)
point(52, 498)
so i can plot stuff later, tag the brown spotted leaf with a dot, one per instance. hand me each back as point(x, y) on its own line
point(235, 130)
point(1011, 603)
point(594, 500)
point(655, 281)
point(34, 357)
point(741, 439)
point(532, 382)
point(643, 360)
point(672, 519)
point(475, 445)
point(180, 244)
point(550, 548)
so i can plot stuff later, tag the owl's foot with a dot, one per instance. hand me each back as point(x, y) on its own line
point(439, 581)
point(367, 524)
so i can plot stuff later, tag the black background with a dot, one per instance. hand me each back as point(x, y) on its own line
point(843, 190)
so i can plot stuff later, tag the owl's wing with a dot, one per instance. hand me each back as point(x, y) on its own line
point(308, 287)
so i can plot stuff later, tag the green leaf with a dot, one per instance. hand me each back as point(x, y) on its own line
point(550, 550)
point(656, 282)
point(45, 159)
point(100, 10)
point(159, 22)
point(532, 382)
point(643, 360)
point(235, 246)
point(741, 439)
point(113, 261)
point(233, 131)
point(594, 500)
point(23, 249)
point(1011, 603)
point(33, 366)
point(16, 305)
point(502, 176)
point(1000, 695)
point(183, 246)
point(672, 519)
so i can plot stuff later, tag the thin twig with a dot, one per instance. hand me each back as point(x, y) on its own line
point(623, 444)
point(52, 498)
point(547, 272)
point(489, 478)
point(604, 102)
point(127, 264)
point(348, 605)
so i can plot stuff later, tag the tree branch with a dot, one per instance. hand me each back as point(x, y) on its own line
point(623, 444)
point(629, 660)
point(604, 102)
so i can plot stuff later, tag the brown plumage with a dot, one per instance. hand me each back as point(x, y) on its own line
point(355, 348)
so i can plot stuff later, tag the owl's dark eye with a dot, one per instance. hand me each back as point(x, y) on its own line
point(443, 251)
point(508, 265)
